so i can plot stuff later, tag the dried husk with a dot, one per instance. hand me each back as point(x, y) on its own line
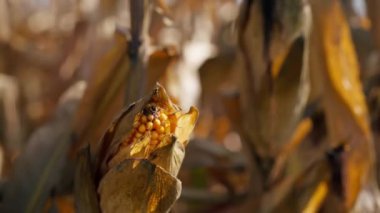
point(140, 176)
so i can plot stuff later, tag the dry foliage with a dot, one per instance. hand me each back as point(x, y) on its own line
point(288, 93)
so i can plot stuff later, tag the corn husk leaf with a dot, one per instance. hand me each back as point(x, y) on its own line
point(85, 190)
point(142, 188)
point(169, 157)
point(102, 99)
point(140, 176)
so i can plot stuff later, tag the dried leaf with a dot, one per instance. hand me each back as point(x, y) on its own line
point(185, 125)
point(317, 198)
point(335, 69)
point(273, 100)
point(12, 127)
point(38, 170)
point(5, 30)
point(142, 188)
point(373, 6)
point(169, 157)
point(102, 98)
point(85, 189)
point(158, 65)
point(298, 136)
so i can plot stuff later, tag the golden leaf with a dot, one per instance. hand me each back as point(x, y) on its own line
point(335, 69)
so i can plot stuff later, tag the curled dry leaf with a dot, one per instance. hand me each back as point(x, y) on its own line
point(158, 65)
point(275, 81)
point(141, 154)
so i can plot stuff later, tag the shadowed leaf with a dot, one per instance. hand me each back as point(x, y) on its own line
point(40, 166)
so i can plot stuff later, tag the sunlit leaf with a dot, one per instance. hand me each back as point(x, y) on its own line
point(335, 72)
point(158, 65)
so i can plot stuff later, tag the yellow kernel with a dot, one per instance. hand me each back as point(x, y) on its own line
point(138, 134)
point(142, 128)
point(149, 125)
point(154, 142)
point(150, 117)
point(161, 129)
point(156, 123)
point(144, 119)
point(163, 117)
point(154, 135)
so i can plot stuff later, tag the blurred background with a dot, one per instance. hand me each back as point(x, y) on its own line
point(67, 68)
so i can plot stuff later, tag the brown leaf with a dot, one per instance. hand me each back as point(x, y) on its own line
point(85, 189)
point(103, 96)
point(275, 90)
point(141, 187)
point(373, 7)
point(335, 69)
point(158, 65)
point(39, 168)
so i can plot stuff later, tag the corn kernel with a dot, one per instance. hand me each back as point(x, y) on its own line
point(157, 123)
point(163, 117)
point(149, 125)
point(138, 135)
point(142, 128)
point(144, 119)
point(161, 129)
point(150, 117)
point(154, 135)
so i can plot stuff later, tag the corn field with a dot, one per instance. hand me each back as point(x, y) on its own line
point(190, 106)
